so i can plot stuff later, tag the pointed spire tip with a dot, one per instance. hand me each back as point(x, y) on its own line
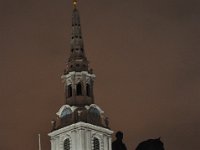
point(75, 3)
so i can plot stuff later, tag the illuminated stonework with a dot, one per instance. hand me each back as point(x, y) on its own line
point(81, 137)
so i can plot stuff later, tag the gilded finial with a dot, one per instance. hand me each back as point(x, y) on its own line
point(75, 3)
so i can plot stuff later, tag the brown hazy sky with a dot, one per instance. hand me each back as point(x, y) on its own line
point(145, 54)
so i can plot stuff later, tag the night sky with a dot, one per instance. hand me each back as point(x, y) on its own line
point(145, 54)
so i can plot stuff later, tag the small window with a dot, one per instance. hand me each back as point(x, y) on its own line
point(94, 112)
point(79, 89)
point(88, 89)
point(67, 144)
point(69, 90)
point(66, 112)
point(96, 144)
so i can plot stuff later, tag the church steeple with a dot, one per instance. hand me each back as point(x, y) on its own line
point(81, 124)
point(78, 78)
point(77, 60)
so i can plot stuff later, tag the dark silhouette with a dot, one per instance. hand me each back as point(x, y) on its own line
point(151, 144)
point(118, 144)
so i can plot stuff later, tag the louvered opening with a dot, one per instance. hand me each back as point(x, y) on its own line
point(67, 144)
point(96, 144)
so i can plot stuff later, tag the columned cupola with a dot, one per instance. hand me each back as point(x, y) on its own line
point(81, 124)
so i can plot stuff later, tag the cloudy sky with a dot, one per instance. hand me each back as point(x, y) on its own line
point(144, 53)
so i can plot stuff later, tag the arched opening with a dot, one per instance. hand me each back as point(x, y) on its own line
point(96, 144)
point(94, 112)
point(79, 89)
point(69, 90)
point(94, 116)
point(67, 144)
point(66, 116)
point(88, 89)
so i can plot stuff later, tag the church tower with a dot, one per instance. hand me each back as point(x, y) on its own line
point(81, 124)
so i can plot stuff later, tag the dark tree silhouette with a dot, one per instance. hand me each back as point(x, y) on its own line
point(151, 144)
point(118, 143)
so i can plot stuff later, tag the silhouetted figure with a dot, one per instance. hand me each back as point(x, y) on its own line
point(118, 144)
point(151, 144)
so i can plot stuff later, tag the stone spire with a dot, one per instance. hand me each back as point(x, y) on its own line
point(77, 60)
point(80, 123)
point(78, 84)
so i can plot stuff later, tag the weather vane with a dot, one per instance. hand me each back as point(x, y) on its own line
point(75, 3)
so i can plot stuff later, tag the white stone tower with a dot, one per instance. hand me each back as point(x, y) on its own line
point(81, 124)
